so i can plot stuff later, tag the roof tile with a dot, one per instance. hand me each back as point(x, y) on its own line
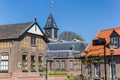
point(100, 49)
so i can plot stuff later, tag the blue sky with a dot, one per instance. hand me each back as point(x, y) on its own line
point(85, 17)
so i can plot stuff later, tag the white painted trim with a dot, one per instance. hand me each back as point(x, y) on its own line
point(35, 30)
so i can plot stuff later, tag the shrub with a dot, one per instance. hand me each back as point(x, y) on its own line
point(58, 73)
point(70, 79)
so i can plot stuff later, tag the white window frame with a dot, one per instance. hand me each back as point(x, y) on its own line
point(89, 70)
point(57, 65)
point(63, 64)
point(114, 69)
point(97, 69)
point(4, 62)
point(115, 41)
point(71, 64)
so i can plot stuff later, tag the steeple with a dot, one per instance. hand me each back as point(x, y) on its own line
point(50, 28)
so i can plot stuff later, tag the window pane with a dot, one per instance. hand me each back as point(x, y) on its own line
point(33, 63)
point(114, 68)
point(33, 40)
point(2, 57)
point(115, 41)
point(97, 69)
point(89, 69)
point(24, 63)
point(6, 67)
point(71, 65)
point(57, 65)
point(63, 64)
point(2, 68)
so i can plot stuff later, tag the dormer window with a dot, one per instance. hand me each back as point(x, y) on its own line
point(72, 47)
point(115, 41)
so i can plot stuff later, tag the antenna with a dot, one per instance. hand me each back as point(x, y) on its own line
point(51, 4)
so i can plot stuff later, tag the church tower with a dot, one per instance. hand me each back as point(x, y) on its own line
point(50, 28)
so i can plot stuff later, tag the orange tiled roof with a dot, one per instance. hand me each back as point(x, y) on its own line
point(100, 49)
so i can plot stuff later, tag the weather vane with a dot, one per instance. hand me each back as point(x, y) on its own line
point(51, 4)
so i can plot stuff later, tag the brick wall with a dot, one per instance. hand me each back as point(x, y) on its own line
point(15, 58)
point(102, 70)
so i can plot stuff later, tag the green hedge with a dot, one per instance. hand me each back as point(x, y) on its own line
point(70, 79)
point(58, 73)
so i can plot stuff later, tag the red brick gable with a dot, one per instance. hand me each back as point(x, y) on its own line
point(94, 50)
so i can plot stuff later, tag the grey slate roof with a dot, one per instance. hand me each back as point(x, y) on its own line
point(66, 49)
point(78, 46)
point(62, 53)
point(13, 30)
point(50, 24)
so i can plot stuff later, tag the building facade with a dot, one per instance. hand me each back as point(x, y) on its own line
point(97, 70)
point(22, 51)
point(61, 53)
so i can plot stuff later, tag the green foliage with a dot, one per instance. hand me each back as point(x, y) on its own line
point(91, 59)
point(58, 73)
point(42, 69)
point(70, 79)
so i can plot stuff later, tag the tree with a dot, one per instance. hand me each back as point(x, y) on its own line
point(68, 36)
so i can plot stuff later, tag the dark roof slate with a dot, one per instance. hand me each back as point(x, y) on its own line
point(78, 46)
point(50, 24)
point(63, 49)
point(13, 30)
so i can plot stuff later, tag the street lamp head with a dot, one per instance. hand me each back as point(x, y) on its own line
point(111, 46)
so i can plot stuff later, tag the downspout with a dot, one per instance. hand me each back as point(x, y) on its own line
point(12, 55)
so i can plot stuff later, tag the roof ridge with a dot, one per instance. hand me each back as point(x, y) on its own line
point(16, 23)
point(110, 29)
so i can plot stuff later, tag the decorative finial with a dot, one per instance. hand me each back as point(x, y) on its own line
point(35, 19)
point(51, 4)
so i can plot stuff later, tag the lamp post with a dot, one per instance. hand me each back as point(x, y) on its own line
point(98, 42)
point(111, 47)
point(46, 70)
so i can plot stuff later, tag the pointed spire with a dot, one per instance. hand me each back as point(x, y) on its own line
point(51, 24)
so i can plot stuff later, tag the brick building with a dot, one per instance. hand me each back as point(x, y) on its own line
point(61, 53)
point(97, 70)
point(22, 51)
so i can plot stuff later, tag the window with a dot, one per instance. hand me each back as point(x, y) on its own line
point(57, 65)
point(97, 69)
point(63, 65)
point(115, 41)
point(33, 65)
point(24, 63)
point(114, 68)
point(33, 40)
point(4, 63)
point(71, 64)
point(39, 63)
point(89, 69)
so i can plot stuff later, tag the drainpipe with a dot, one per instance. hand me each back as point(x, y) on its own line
point(12, 55)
